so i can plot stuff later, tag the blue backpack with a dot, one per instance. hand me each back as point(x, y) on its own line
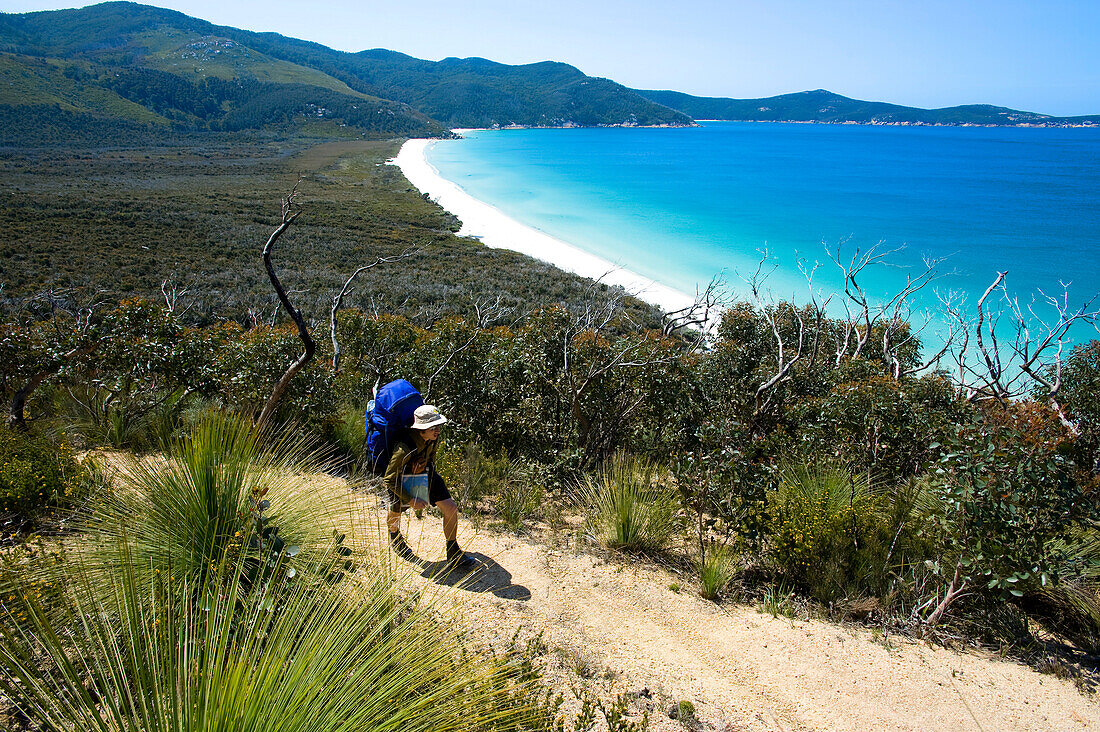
point(388, 416)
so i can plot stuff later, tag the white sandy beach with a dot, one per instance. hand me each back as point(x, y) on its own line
point(495, 229)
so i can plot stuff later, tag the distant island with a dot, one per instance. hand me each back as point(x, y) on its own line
point(824, 106)
point(135, 73)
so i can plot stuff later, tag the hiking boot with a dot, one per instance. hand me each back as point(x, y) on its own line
point(458, 559)
point(403, 550)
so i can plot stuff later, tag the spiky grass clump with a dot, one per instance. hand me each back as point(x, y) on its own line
point(155, 654)
point(1073, 603)
point(217, 490)
point(717, 569)
point(630, 504)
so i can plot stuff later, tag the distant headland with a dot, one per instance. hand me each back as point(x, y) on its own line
point(825, 106)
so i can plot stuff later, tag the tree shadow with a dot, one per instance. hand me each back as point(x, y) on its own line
point(487, 576)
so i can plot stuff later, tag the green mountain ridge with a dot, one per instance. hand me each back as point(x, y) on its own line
point(280, 80)
point(119, 68)
point(825, 106)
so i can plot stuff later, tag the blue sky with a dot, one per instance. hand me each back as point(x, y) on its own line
point(1038, 55)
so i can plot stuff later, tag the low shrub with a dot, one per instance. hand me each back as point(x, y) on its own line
point(1011, 509)
point(140, 422)
point(520, 494)
point(716, 570)
point(824, 529)
point(35, 472)
point(469, 473)
point(631, 504)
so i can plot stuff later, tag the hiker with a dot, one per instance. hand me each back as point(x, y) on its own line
point(414, 456)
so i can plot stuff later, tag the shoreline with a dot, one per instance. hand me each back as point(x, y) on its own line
point(495, 229)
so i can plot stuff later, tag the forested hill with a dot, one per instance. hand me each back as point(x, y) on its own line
point(825, 106)
point(123, 68)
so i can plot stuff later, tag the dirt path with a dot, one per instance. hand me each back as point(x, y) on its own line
point(742, 670)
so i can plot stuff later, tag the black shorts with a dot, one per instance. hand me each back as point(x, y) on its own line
point(437, 491)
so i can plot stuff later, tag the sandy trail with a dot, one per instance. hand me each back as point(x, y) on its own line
point(743, 670)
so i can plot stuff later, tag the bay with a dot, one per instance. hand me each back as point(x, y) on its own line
point(680, 205)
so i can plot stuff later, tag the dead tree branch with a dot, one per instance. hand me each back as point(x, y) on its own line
point(346, 290)
point(290, 213)
point(1027, 352)
point(173, 293)
point(785, 360)
point(701, 314)
point(892, 313)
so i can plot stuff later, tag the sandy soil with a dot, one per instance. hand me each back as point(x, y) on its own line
point(742, 670)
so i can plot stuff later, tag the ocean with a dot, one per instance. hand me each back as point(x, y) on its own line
point(682, 205)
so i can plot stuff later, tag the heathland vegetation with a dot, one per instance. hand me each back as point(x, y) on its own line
point(789, 453)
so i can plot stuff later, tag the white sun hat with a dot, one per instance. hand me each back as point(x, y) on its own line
point(427, 416)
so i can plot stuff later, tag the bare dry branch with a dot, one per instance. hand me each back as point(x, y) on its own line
point(701, 315)
point(172, 294)
point(893, 311)
point(1024, 354)
point(346, 290)
point(289, 215)
point(785, 360)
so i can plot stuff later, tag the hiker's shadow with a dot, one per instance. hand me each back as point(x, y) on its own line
point(486, 576)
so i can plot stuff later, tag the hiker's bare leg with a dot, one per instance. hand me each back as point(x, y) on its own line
point(393, 521)
point(449, 509)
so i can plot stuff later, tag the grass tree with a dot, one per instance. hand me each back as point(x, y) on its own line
point(187, 609)
point(223, 489)
point(630, 504)
point(152, 653)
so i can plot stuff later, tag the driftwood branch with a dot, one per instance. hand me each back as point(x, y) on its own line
point(289, 215)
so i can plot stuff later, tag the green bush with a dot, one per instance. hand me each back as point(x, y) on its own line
point(1011, 509)
point(878, 425)
point(514, 489)
point(102, 419)
point(520, 494)
point(824, 529)
point(630, 504)
point(349, 432)
point(1080, 394)
point(35, 472)
point(469, 473)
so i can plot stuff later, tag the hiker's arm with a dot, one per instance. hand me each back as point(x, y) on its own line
point(401, 455)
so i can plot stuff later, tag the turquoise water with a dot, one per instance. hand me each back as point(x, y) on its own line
point(681, 205)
